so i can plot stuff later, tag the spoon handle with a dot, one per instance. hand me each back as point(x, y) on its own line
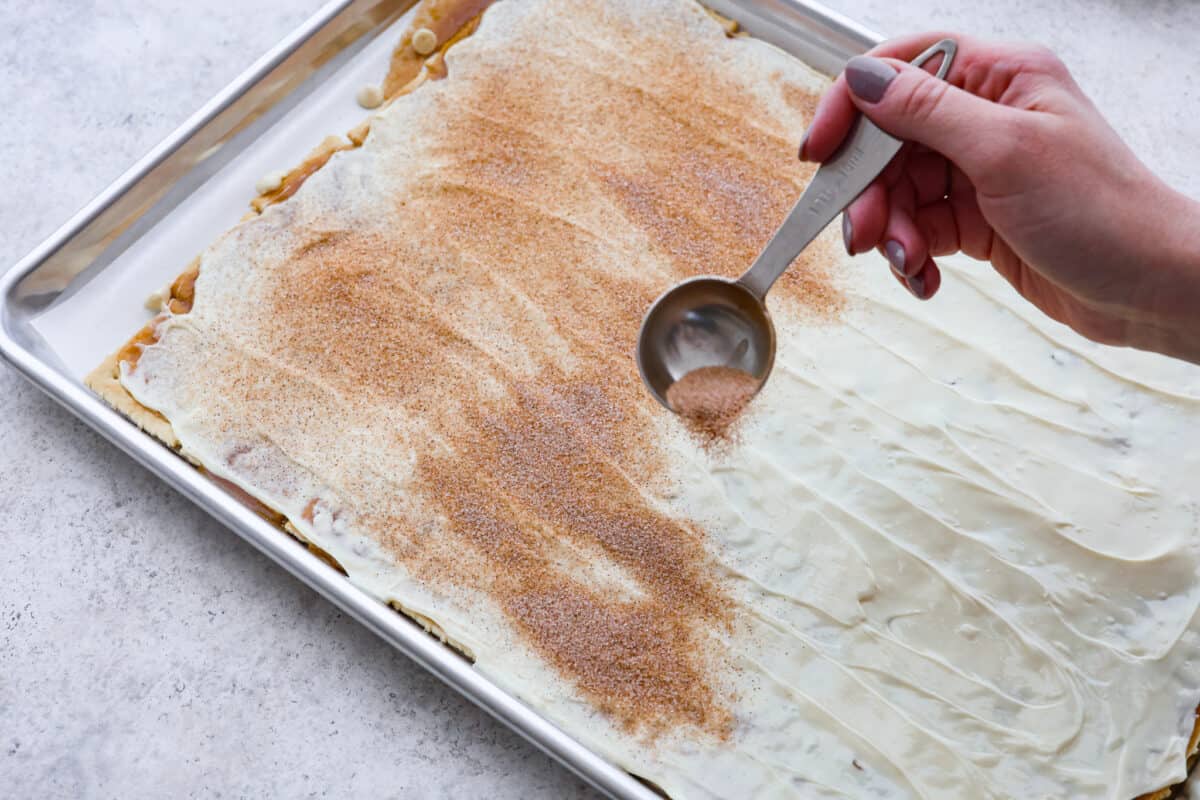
point(860, 160)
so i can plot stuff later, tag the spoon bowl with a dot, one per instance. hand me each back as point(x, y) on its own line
point(704, 322)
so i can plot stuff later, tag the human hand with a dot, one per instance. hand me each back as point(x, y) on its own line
point(1009, 162)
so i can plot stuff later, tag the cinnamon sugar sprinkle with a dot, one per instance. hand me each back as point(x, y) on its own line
point(710, 399)
point(485, 324)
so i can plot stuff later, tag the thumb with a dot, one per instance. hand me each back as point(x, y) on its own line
point(911, 104)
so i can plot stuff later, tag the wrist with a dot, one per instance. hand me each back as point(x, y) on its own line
point(1167, 319)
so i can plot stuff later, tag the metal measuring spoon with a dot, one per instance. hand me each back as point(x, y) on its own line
point(710, 321)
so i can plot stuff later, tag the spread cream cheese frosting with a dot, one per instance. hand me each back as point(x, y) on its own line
point(949, 551)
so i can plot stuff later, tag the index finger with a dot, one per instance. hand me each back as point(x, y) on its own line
point(836, 112)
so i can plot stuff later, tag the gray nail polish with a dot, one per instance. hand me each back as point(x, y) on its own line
point(895, 255)
point(869, 77)
point(916, 285)
point(847, 233)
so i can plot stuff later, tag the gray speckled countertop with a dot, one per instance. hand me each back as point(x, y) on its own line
point(147, 651)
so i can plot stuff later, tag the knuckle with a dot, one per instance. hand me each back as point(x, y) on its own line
point(934, 239)
point(930, 237)
point(1040, 58)
point(923, 99)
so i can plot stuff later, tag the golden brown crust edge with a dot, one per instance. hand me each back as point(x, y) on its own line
point(105, 381)
point(405, 74)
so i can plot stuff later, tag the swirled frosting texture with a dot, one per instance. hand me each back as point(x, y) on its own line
point(951, 551)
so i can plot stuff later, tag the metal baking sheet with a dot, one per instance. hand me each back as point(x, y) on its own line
point(71, 301)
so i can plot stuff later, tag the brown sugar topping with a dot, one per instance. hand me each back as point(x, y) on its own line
point(710, 399)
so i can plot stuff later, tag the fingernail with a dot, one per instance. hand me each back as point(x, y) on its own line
point(847, 233)
point(803, 143)
point(916, 285)
point(869, 77)
point(895, 256)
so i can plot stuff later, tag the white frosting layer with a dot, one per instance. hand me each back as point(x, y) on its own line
point(957, 543)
